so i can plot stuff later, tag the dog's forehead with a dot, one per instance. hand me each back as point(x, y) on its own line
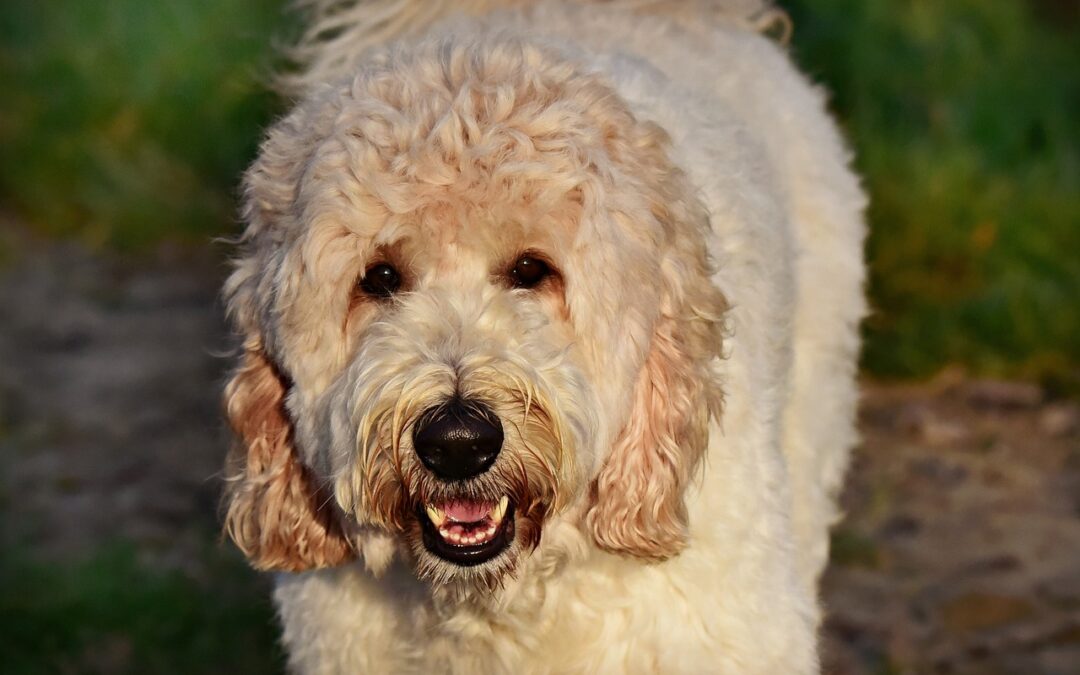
point(470, 158)
point(498, 226)
point(455, 228)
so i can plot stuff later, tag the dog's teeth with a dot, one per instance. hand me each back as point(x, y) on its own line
point(499, 511)
point(467, 534)
point(436, 515)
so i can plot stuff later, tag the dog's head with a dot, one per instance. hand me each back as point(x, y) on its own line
point(475, 295)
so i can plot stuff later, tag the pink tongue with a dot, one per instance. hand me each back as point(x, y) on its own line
point(467, 512)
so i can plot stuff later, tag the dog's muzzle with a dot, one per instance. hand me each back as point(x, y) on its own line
point(458, 441)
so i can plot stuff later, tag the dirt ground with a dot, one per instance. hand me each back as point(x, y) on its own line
point(961, 549)
point(960, 553)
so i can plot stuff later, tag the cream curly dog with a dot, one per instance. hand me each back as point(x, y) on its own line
point(550, 317)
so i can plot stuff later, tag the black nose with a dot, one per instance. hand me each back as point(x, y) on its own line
point(458, 440)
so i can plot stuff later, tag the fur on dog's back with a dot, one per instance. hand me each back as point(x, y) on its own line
point(339, 32)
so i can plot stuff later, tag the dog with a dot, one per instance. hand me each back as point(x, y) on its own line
point(549, 318)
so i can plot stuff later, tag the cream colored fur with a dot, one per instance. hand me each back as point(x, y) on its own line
point(678, 402)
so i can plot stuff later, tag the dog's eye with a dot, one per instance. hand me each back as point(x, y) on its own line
point(381, 281)
point(528, 272)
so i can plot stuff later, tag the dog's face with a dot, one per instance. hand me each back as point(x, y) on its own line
point(475, 297)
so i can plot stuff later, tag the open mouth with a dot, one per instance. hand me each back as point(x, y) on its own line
point(467, 532)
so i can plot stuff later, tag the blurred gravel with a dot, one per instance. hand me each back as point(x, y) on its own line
point(961, 550)
point(109, 417)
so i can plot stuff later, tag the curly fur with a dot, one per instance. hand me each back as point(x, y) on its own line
point(677, 398)
point(274, 514)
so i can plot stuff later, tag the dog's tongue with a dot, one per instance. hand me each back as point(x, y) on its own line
point(467, 512)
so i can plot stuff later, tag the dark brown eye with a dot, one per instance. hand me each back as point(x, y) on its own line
point(381, 281)
point(528, 272)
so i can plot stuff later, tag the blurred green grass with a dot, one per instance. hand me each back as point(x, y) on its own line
point(964, 118)
point(128, 121)
point(110, 614)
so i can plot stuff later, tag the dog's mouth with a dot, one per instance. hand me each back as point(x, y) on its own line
point(467, 532)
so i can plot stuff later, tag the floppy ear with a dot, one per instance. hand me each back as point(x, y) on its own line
point(274, 513)
point(637, 506)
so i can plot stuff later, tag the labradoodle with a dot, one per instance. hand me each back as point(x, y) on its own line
point(549, 316)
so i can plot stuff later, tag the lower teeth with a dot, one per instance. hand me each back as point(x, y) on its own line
point(472, 538)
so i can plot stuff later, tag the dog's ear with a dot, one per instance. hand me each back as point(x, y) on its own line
point(638, 505)
point(273, 511)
